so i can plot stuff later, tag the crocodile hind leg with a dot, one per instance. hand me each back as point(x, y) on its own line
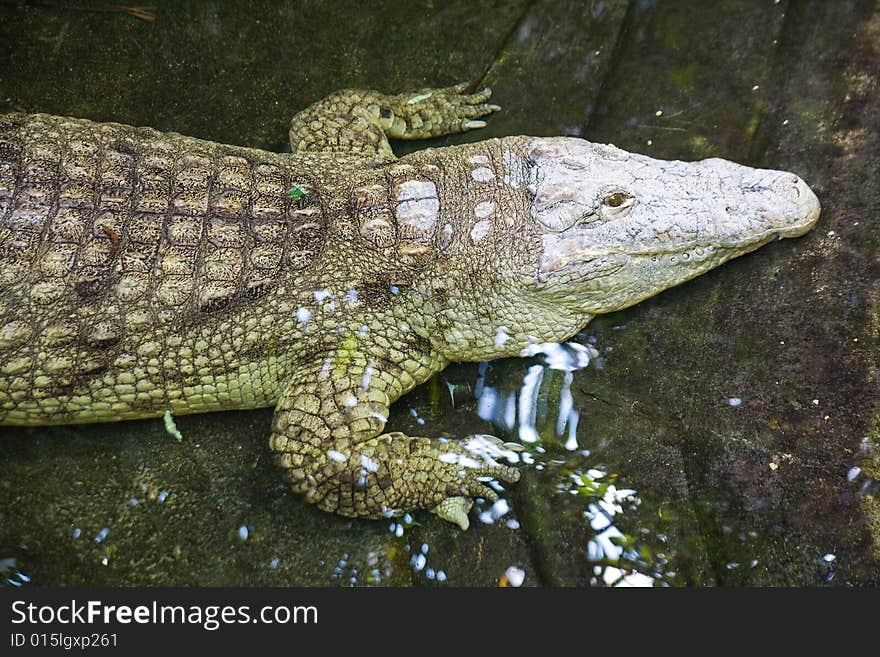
point(360, 122)
point(328, 436)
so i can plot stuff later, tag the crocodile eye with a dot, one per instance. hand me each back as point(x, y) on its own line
point(616, 199)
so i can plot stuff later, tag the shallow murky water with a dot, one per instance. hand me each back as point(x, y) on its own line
point(724, 432)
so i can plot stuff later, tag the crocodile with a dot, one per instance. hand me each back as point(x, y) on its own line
point(147, 273)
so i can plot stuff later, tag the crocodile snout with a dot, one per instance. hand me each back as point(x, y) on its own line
point(776, 201)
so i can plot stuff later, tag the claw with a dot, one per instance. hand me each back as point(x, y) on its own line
point(473, 125)
point(480, 96)
point(487, 438)
point(473, 111)
point(455, 510)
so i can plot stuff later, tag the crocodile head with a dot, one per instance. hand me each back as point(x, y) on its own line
point(618, 227)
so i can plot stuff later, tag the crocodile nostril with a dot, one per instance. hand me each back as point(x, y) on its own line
point(790, 185)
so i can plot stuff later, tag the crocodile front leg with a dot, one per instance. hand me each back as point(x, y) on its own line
point(328, 436)
point(360, 122)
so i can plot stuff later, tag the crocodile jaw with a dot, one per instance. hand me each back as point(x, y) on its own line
point(676, 220)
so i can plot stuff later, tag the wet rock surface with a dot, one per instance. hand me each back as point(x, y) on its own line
point(727, 433)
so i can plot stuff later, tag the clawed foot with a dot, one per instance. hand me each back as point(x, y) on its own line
point(434, 112)
point(467, 108)
point(478, 463)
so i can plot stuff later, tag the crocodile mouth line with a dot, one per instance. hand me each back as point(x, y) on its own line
point(765, 237)
point(695, 252)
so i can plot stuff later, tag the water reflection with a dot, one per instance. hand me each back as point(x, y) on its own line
point(10, 574)
point(521, 409)
point(619, 559)
point(370, 568)
point(540, 410)
point(868, 453)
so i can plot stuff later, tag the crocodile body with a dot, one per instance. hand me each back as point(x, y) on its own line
point(147, 272)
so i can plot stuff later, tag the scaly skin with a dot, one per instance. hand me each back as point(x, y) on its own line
point(145, 272)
